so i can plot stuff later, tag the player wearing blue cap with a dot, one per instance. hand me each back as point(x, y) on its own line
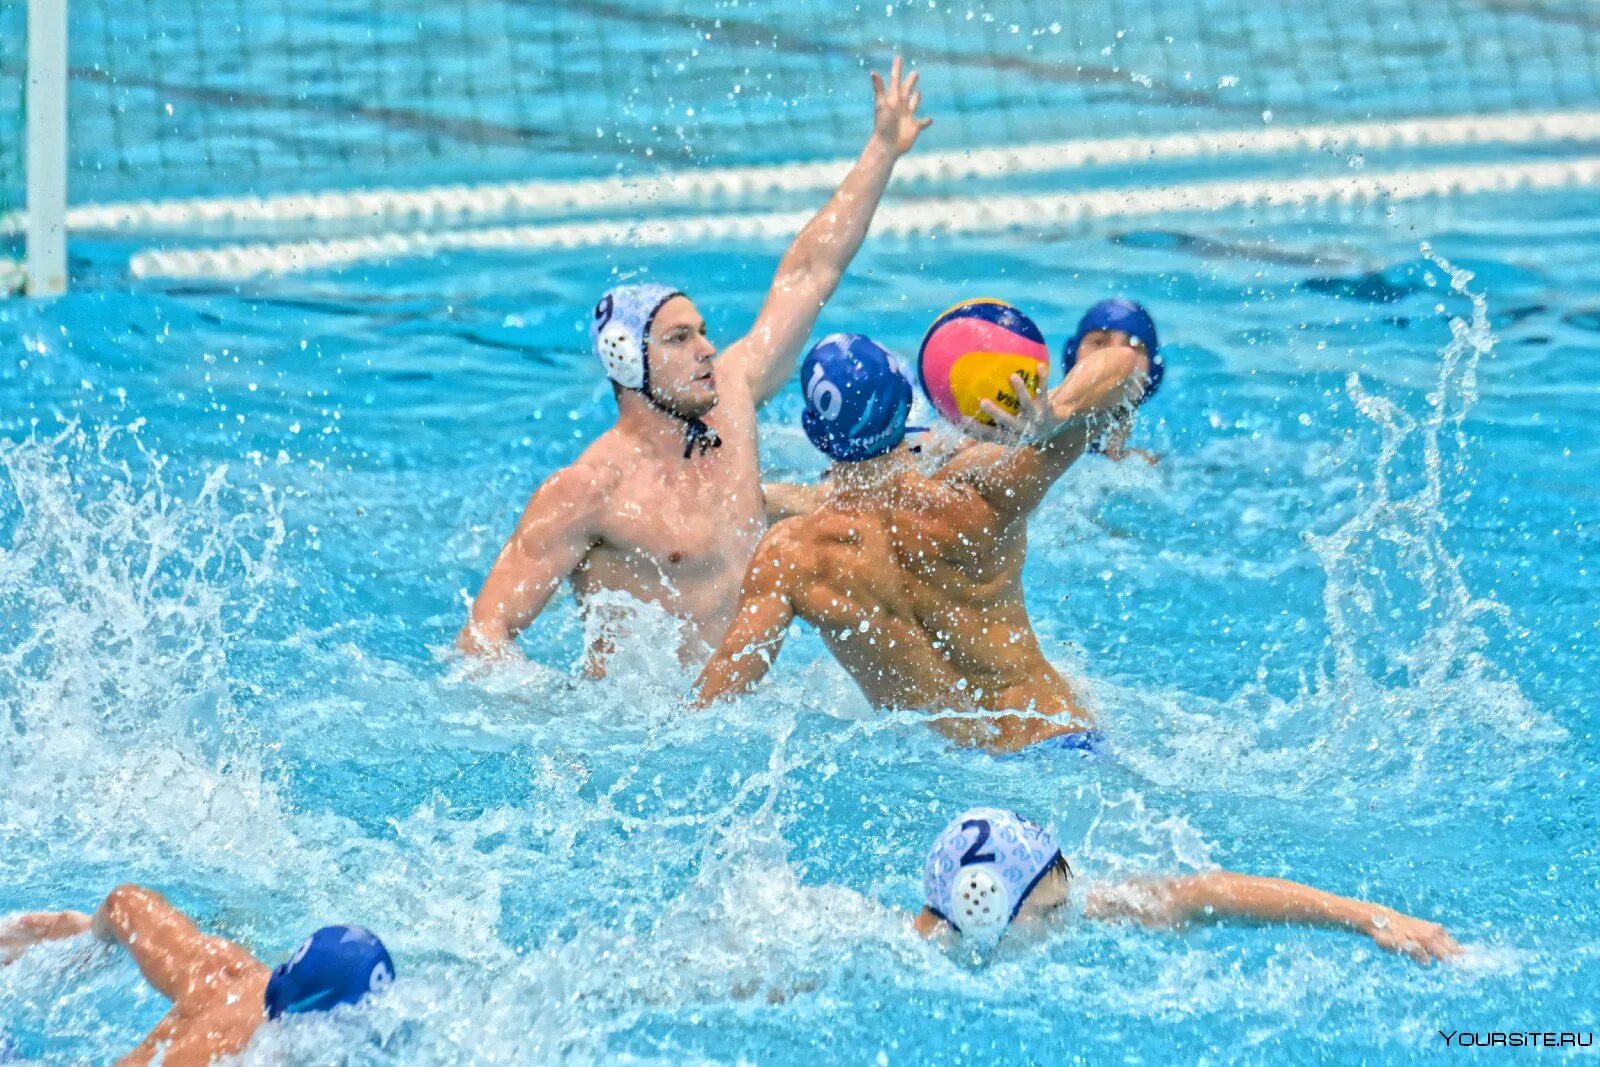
point(913, 580)
point(667, 505)
point(994, 874)
point(1114, 323)
point(220, 993)
point(1118, 323)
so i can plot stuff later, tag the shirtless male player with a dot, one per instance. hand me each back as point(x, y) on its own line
point(220, 993)
point(915, 581)
point(666, 506)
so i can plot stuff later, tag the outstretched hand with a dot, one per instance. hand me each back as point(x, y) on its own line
point(1423, 941)
point(1035, 420)
point(20, 933)
point(895, 106)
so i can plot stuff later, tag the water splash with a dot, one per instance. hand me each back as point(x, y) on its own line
point(1391, 561)
point(1406, 685)
point(120, 734)
point(1123, 839)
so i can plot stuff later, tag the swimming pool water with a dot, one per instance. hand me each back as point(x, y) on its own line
point(1343, 633)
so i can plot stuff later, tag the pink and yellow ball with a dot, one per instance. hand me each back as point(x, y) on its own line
point(970, 353)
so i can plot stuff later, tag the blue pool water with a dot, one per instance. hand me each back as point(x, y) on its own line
point(1344, 632)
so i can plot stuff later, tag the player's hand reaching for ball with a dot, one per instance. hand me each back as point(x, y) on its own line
point(1034, 421)
point(895, 104)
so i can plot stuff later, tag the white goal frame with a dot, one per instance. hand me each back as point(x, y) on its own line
point(45, 269)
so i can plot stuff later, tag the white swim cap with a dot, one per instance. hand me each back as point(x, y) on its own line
point(620, 331)
point(981, 869)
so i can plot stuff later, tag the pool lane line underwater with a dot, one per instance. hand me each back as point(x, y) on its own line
point(902, 218)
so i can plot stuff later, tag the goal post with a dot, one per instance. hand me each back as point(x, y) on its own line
point(45, 230)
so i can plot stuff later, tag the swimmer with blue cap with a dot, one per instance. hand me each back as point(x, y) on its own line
point(220, 993)
point(994, 875)
point(666, 506)
point(1119, 323)
point(914, 579)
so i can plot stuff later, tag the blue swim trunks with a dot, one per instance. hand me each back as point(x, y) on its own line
point(1089, 744)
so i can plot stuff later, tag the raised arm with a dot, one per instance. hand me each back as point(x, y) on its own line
point(759, 627)
point(172, 953)
point(1225, 895)
point(812, 267)
point(555, 533)
point(1047, 434)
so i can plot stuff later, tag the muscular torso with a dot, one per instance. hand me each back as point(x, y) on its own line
point(921, 600)
point(679, 532)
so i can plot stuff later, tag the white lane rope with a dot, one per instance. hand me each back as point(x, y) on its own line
point(1036, 213)
point(342, 212)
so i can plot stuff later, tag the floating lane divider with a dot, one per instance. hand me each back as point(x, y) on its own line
point(455, 206)
point(1038, 213)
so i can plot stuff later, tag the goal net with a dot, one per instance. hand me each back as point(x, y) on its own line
point(189, 102)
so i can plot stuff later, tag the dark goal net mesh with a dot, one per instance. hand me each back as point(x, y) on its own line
point(228, 97)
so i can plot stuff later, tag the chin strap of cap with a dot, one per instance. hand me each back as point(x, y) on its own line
point(696, 435)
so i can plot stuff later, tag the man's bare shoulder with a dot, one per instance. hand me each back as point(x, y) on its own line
point(735, 385)
point(222, 971)
point(584, 486)
point(787, 551)
point(970, 465)
point(788, 537)
point(733, 365)
point(830, 543)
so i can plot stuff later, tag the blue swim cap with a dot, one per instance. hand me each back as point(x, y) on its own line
point(336, 965)
point(857, 397)
point(1133, 320)
point(981, 869)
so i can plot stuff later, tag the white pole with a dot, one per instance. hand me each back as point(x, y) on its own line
point(47, 147)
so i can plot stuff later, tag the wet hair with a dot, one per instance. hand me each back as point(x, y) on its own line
point(1058, 866)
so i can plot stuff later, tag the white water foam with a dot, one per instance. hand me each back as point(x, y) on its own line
point(1407, 687)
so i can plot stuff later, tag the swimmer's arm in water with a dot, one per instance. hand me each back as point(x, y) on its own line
point(1225, 895)
point(1047, 435)
point(785, 500)
point(811, 269)
point(22, 932)
point(174, 956)
point(171, 952)
point(556, 531)
point(759, 627)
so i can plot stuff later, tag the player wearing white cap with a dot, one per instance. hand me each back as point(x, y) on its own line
point(994, 874)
